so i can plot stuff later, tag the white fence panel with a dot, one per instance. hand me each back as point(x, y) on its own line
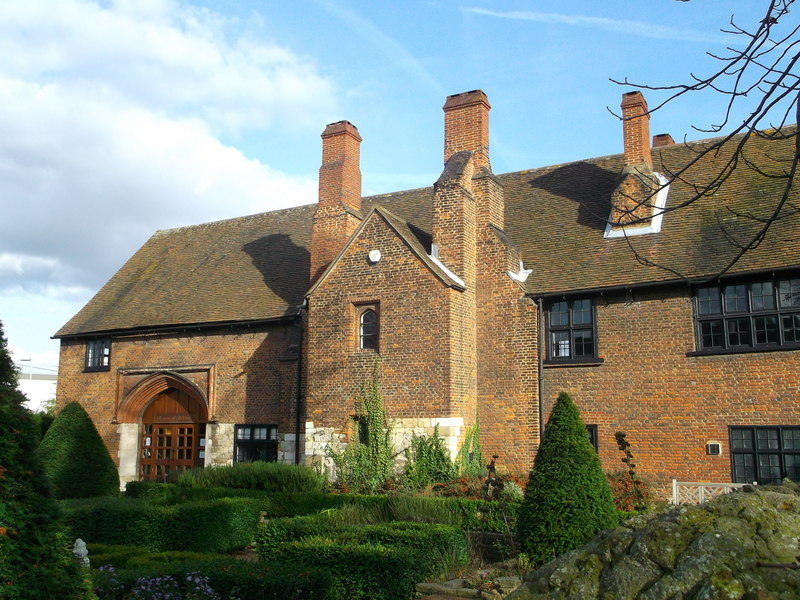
point(694, 492)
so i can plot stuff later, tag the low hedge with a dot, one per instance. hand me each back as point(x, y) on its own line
point(116, 555)
point(359, 571)
point(211, 526)
point(269, 476)
point(228, 577)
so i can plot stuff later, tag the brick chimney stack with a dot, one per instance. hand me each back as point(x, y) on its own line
point(466, 127)
point(632, 201)
point(662, 139)
point(338, 212)
point(340, 173)
point(636, 130)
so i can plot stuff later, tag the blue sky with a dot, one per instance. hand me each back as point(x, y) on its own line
point(121, 117)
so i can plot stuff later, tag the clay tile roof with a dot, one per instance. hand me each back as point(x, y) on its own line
point(245, 269)
point(256, 268)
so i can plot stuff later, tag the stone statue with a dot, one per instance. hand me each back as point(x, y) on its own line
point(80, 552)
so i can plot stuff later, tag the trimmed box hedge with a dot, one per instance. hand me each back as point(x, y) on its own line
point(359, 571)
point(210, 526)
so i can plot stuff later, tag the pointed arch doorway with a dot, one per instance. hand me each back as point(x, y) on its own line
point(172, 436)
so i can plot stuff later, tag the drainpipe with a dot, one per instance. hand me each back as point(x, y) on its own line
point(298, 384)
point(540, 359)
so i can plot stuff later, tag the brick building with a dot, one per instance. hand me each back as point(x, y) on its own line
point(483, 296)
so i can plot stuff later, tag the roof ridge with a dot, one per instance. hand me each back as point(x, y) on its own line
point(232, 219)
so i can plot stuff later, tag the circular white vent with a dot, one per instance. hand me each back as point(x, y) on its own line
point(374, 256)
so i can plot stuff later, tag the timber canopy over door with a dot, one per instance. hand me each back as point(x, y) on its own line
point(173, 436)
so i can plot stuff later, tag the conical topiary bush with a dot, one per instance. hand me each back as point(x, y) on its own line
point(34, 560)
point(568, 500)
point(75, 458)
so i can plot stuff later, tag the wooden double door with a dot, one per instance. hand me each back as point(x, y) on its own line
point(173, 437)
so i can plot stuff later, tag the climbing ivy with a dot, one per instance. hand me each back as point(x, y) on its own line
point(367, 461)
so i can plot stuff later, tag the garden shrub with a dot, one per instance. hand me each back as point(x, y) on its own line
point(367, 462)
point(227, 577)
point(626, 497)
point(359, 571)
point(469, 459)
point(116, 555)
point(75, 458)
point(267, 476)
point(121, 521)
point(567, 500)
point(427, 461)
point(35, 561)
point(213, 526)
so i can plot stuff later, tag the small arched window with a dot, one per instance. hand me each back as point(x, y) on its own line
point(369, 330)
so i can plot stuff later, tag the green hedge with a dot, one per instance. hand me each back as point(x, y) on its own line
point(228, 577)
point(116, 555)
point(426, 548)
point(209, 526)
point(267, 476)
point(359, 571)
point(75, 458)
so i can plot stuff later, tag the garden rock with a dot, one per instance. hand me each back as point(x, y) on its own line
point(739, 546)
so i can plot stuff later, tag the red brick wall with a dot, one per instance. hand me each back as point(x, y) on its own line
point(671, 404)
point(416, 316)
point(507, 368)
point(248, 381)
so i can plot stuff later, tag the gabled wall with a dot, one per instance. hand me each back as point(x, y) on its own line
point(415, 342)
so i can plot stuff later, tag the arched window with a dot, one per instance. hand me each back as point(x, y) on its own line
point(369, 330)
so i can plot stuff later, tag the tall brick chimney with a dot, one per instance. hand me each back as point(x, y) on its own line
point(633, 200)
point(466, 127)
point(338, 212)
point(636, 130)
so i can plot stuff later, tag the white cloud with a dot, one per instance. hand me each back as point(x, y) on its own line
point(112, 117)
point(626, 26)
point(89, 177)
point(161, 54)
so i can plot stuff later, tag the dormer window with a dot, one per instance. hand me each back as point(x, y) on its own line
point(98, 355)
point(368, 330)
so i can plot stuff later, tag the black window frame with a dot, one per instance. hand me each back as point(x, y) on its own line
point(97, 355)
point(740, 316)
point(591, 433)
point(369, 333)
point(249, 447)
point(765, 451)
point(575, 324)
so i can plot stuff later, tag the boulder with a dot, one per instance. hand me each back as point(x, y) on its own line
point(739, 546)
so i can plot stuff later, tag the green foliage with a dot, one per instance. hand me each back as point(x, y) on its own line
point(427, 461)
point(567, 500)
point(41, 422)
point(213, 525)
point(75, 458)
point(368, 461)
point(361, 571)
point(35, 561)
point(116, 555)
point(628, 497)
point(259, 475)
point(228, 577)
point(469, 460)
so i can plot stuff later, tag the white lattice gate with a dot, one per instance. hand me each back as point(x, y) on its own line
point(694, 492)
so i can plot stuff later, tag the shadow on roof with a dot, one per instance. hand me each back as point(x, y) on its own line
point(283, 265)
point(586, 186)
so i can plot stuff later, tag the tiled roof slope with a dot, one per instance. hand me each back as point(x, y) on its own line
point(256, 267)
point(556, 215)
point(243, 269)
